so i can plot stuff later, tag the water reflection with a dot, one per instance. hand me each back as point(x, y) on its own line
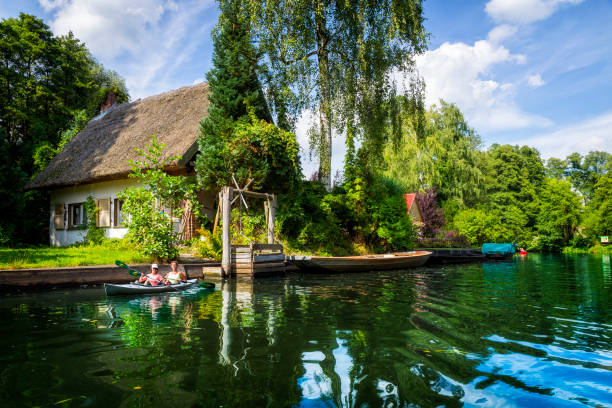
point(534, 331)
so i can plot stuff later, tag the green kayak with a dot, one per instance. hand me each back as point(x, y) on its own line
point(137, 289)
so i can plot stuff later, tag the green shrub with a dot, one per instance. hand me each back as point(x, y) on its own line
point(209, 245)
point(150, 229)
point(95, 234)
point(150, 211)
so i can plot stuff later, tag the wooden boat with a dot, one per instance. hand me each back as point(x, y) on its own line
point(136, 289)
point(361, 263)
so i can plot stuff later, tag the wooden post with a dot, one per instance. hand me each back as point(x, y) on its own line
point(271, 218)
point(226, 260)
point(217, 214)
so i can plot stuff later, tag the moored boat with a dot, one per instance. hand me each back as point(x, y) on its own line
point(498, 251)
point(135, 288)
point(362, 263)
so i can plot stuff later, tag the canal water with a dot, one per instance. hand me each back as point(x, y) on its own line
point(532, 332)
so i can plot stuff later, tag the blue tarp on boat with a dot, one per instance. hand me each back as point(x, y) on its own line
point(498, 249)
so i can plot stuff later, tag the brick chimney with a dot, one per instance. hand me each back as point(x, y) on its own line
point(110, 100)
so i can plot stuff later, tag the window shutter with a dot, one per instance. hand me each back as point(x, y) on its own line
point(103, 218)
point(97, 202)
point(58, 216)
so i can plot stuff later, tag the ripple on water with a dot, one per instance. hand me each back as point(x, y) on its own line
point(530, 333)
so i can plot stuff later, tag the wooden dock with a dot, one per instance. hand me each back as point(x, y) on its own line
point(257, 260)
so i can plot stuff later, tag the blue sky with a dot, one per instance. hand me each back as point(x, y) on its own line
point(535, 72)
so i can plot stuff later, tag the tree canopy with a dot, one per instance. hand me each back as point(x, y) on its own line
point(340, 60)
point(237, 138)
point(45, 81)
point(445, 158)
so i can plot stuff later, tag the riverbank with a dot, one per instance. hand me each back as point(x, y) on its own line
point(595, 250)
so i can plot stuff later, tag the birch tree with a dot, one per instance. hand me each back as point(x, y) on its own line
point(339, 60)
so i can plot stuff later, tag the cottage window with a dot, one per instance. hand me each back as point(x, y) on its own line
point(58, 217)
point(77, 216)
point(118, 212)
point(103, 216)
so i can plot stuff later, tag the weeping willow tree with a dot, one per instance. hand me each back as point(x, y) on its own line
point(339, 59)
point(443, 155)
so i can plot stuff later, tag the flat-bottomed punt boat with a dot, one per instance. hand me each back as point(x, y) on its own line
point(137, 289)
point(361, 263)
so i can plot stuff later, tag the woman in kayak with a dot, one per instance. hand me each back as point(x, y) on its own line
point(174, 276)
point(154, 278)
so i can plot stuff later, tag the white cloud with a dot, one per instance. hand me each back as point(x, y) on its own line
point(148, 39)
point(583, 137)
point(460, 73)
point(49, 5)
point(535, 81)
point(501, 33)
point(524, 11)
point(198, 81)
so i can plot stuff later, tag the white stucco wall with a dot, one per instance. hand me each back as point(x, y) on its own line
point(78, 194)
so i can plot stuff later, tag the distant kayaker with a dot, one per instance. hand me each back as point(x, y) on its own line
point(174, 276)
point(154, 278)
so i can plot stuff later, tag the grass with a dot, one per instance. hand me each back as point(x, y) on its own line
point(596, 250)
point(81, 255)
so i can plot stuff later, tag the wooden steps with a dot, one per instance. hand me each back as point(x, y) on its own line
point(257, 259)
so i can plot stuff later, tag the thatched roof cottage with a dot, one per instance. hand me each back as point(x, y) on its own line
point(95, 162)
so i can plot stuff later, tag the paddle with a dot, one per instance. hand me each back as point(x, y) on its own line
point(207, 285)
point(130, 270)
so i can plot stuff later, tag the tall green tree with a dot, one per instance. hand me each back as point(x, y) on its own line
point(446, 157)
point(236, 138)
point(584, 171)
point(514, 176)
point(339, 59)
point(44, 82)
point(556, 168)
point(598, 213)
point(558, 215)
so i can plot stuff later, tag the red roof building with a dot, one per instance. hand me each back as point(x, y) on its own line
point(413, 208)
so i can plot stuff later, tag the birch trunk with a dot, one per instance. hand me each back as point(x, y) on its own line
point(325, 114)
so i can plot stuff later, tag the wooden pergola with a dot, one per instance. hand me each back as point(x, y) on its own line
point(256, 258)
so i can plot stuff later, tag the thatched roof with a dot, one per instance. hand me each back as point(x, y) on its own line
point(101, 151)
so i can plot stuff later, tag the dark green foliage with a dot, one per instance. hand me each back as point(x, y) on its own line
point(95, 234)
point(505, 194)
point(367, 215)
point(514, 176)
point(309, 221)
point(237, 138)
point(393, 228)
point(598, 214)
point(254, 150)
point(555, 168)
point(45, 81)
point(151, 209)
point(233, 79)
point(558, 216)
point(584, 172)
point(480, 226)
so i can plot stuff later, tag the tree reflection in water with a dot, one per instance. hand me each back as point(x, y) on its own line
point(531, 332)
